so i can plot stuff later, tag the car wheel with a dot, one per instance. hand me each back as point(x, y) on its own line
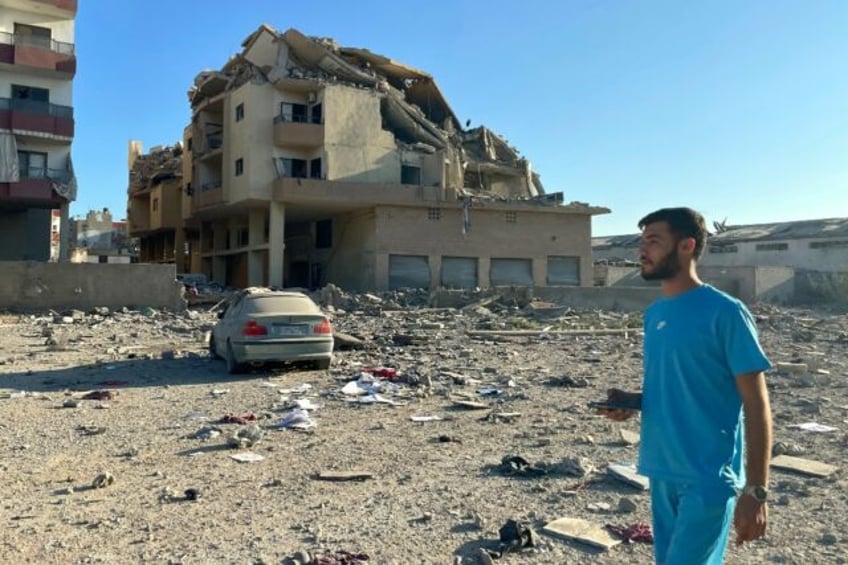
point(213, 351)
point(322, 364)
point(233, 367)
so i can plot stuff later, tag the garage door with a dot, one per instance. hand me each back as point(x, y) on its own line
point(459, 272)
point(511, 272)
point(564, 271)
point(409, 271)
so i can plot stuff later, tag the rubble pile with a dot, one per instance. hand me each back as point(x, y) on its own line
point(435, 430)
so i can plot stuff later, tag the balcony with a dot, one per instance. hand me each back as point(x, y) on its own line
point(35, 188)
point(64, 5)
point(298, 132)
point(39, 53)
point(210, 194)
point(23, 116)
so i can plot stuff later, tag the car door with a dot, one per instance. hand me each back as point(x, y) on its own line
point(228, 325)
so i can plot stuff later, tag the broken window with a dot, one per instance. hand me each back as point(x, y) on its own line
point(243, 236)
point(293, 112)
point(511, 217)
point(315, 168)
point(294, 168)
point(239, 166)
point(32, 165)
point(155, 204)
point(317, 116)
point(188, 144)
point(324, 234)
point(434, 214)
point(32, 35)
point(772, 246)
point(240, 112)
point(410, 174)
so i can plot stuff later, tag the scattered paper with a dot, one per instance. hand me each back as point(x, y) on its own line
point(297, 419)
point(306, 404)
point(247, 457)
point(813, 427)
point(427, 418)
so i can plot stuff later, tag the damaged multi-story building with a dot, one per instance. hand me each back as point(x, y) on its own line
point(37, 67)
point(158, 207)
point(306, 163)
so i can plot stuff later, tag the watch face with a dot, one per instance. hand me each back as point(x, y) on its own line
point(760, 494)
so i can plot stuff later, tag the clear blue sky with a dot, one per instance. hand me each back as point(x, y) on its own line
point(736, 108)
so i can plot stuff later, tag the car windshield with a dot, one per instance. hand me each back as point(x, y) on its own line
point(281, 304)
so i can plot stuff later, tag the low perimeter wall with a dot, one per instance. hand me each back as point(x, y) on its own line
point(30, 286)
point(622, 299)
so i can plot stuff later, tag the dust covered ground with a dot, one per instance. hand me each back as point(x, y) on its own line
point(435, 491)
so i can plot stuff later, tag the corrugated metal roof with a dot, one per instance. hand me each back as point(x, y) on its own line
point(803, 229)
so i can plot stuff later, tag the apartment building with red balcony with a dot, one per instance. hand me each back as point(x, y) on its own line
point(37, 67)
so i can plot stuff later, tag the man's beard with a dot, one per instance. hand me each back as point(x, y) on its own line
point(666, 268)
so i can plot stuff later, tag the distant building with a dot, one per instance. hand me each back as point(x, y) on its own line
point(158, 208)
point(307, 163)
point(811, 245)
point(97, 238)
point(37, 68)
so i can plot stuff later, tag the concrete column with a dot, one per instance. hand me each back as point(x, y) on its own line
point(179, 250)
point(276, 243)
point(381, 274)
point(435, 271)
point(219, 270)
point(484, 265)
point(540, 271)
point(65, 233)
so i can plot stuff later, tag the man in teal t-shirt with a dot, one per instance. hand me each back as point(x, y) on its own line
point(703, 369)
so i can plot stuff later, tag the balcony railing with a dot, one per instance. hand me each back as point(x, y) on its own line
point(37, 41)
point(59, 175)
point(36, 107)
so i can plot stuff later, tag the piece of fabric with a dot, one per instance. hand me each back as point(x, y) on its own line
point(692, 431)
point(9, 166)
point(690, 528)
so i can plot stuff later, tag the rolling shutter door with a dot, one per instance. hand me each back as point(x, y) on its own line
point(564, 271)
point(459, 272)
point(409, 271)
point(511, 272)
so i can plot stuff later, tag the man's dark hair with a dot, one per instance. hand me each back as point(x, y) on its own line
point(683, 222)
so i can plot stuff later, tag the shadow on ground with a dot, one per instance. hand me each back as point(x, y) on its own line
point(191, 370)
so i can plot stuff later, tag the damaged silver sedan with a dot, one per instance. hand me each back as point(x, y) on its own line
point(263, 326)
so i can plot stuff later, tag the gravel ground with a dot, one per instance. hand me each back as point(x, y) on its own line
point(437, 491)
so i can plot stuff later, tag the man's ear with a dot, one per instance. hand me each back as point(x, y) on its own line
point(687, 245)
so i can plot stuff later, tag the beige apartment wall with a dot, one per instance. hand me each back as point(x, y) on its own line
point(251, 139)
point(62, 30)
point(352, 260)
point(357, 147)
point(535, 235)
point(431, 165)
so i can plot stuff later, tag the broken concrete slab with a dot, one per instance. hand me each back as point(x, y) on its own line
point(628, 474)
point(629, 437)
point(581, 531)
point(803, 466)
point(341, 476)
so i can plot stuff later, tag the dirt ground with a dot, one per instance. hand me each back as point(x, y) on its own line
point(437, 491)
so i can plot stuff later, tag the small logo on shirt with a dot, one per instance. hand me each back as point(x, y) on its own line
point(660, 325)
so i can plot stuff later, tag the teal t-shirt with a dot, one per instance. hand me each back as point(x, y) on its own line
point(696, 344)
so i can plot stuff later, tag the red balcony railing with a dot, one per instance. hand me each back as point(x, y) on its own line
point(38, 52)
point(43, 117)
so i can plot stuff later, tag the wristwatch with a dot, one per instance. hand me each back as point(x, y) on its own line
point(760, 493)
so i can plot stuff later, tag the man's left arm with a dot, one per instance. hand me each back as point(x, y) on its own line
point(752, 515)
